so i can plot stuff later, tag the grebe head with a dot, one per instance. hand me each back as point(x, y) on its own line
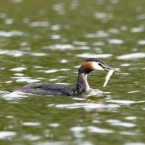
point(90, 64)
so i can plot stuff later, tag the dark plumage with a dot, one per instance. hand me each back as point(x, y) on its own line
point(48, 89)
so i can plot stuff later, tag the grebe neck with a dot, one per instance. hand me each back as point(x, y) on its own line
point(82, 85)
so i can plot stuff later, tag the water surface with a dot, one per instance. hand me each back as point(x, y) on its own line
point(45, 41)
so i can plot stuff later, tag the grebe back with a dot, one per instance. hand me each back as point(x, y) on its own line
point(82, 86)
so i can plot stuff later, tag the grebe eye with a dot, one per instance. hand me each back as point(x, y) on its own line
point(99, 64)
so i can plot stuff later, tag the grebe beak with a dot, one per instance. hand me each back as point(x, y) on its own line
point(107, 68)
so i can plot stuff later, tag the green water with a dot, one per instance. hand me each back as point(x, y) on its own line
point(45, 41)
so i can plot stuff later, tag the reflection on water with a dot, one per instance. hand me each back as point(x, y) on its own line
point(45, 41)
point(12, 95)
point(116, 41)
point(132, 56)
point(87, 106)
point(7, 134)
point(11, 33)
point(87, 55)
point(17, 53)
point(39, 24)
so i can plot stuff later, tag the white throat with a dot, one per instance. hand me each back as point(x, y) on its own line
point(86, 83)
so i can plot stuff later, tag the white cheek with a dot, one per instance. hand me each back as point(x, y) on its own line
point(96, 66)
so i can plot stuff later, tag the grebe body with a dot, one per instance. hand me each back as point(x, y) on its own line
point(82, 86)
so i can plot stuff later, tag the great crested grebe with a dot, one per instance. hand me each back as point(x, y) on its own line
point(82, 86)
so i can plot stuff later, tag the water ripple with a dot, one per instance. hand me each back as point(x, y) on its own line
point(141, 42)
point(132, 56)
point(141, 17)
point(116, 41)
point(54, 125)
point(77, 128)
point(31, 137)
point(56, 143)
point(100, 33)
point(3, 15)
point(59, 8)
point(26, 79)
point(63, 61)
point(9, 21)
point(130, 117)
point(124, 124)
point(85, 55)
point(39, 24)
point(18, 69)
point(113, 30)
point(15, 53)
point(119, 123)
point(16, 1)
point(79, 43)
point(134, 143)
point(6, 134)
point(98, 43)
point(11, 33)
point(99, 130)
point(31, 123)
point(137, 29)
point(128, 133)
point(61, 47)
point(51, 71)
point(54, 37)
point(14, 95)
point(126, 102)
point(55, 27)
point(38, 54)
point(103, 15)
point(87, 106)
point(125, 64)
point(18, 53)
